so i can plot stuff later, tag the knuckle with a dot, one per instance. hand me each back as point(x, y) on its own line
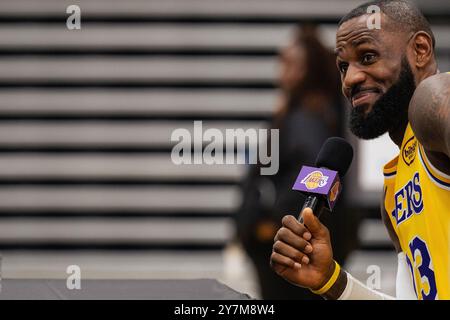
point(302, 244)
point(298, 256)
point(300, 229)
point(276, 237)
point(277, 245)
point(273, 258)
point(282, 233)
point(286, 219)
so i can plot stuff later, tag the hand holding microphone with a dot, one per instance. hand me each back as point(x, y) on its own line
point(302, 252)
point(322, 184)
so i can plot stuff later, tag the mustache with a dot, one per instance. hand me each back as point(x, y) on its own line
point(360, 89)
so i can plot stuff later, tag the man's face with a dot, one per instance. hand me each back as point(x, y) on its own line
point(376, 76)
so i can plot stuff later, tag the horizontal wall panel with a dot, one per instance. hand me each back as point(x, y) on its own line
point(149, 230)
point(101, 167)
point(103, 133)
point(16, 70)
point(144, 36)
point(159, 199)
point(137, 102)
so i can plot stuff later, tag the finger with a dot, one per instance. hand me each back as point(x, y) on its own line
point(287, 236)
point(277, 260)
point(291, 223)
point(313, 224)
point(288, 251)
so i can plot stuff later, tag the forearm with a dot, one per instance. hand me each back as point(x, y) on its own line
point(347, 287)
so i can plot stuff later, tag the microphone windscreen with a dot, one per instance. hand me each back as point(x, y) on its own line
point(336, 154)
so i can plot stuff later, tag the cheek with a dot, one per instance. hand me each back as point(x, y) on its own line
point(291, 74)
point(385, 75)
point(283, 73)
point(387, 70)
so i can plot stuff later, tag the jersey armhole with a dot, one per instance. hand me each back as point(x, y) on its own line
point(438, 177)
point(387, 221)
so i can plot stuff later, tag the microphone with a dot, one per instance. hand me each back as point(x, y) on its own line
point(322, 183)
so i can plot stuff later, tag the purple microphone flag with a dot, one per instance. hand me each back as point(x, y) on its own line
point(319, 181)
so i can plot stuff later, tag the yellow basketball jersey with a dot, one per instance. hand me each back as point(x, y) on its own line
point(417, 200)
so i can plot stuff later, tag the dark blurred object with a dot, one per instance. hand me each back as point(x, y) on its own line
point(113, 289)
point(309, 112)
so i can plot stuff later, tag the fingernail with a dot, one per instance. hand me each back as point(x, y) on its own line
point(297, 265)
point(307, 236)
point(305, 260)
point(308, 249)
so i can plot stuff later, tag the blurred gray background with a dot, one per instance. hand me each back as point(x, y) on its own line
point(85, 122)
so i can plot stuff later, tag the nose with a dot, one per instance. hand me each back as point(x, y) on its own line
point(353, 77)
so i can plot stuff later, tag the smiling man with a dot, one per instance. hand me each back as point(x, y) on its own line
point(390, 76)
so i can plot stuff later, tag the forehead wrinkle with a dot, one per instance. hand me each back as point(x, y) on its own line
point(356, 34)
point(343, 33)
point(362, 40)
point(355, 37)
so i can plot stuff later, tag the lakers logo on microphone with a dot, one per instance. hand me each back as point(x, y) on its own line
point(314, 180)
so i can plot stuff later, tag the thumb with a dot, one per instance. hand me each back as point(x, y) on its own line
point(313, 224)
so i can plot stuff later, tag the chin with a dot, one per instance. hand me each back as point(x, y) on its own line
point(364, 108)
point(365, 135)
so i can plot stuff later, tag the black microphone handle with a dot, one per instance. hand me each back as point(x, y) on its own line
point(316, 203)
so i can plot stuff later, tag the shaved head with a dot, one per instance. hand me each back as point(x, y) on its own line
point(403, 15)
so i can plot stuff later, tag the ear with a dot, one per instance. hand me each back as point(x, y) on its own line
point(422, 48)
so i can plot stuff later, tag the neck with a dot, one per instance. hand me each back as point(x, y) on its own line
point(398, 133)
point(430, 71)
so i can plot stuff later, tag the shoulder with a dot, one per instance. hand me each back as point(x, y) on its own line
point(430, 94)
point(437, 81)
point(429, 113)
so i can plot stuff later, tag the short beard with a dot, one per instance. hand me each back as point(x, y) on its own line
point(389, 112)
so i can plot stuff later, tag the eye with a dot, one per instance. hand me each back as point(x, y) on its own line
point(368, 58)
point(342, 66)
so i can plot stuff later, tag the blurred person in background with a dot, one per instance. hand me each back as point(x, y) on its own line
point(308, 113)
